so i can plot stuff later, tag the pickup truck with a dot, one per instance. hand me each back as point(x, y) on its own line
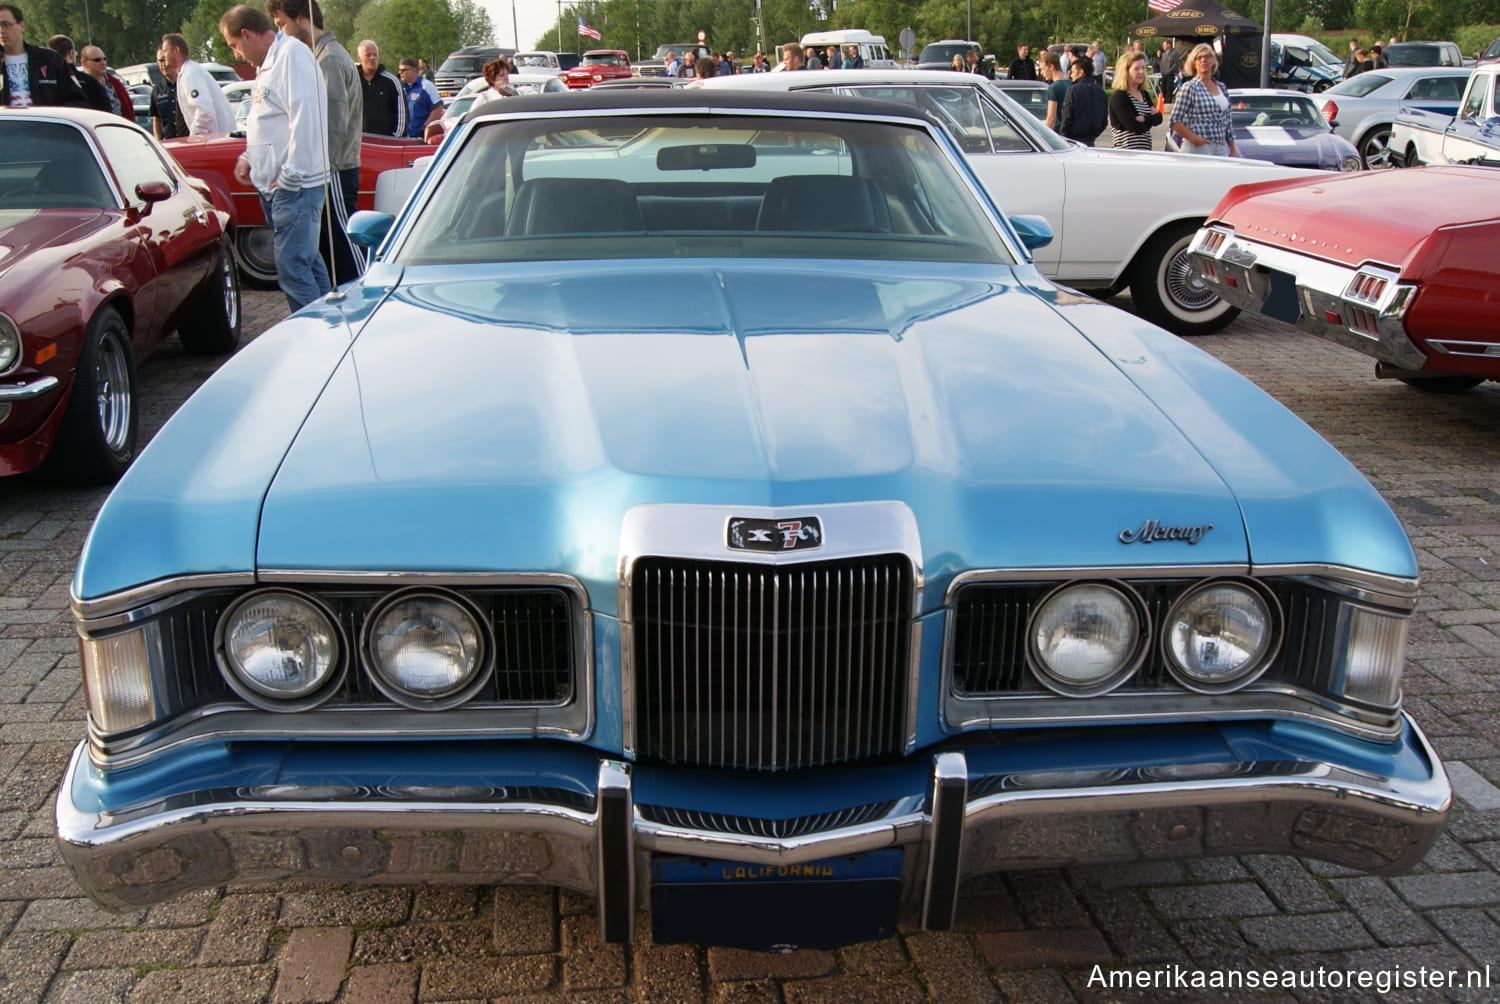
point(1470, 137)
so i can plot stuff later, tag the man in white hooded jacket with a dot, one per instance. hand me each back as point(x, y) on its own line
point(285, 154)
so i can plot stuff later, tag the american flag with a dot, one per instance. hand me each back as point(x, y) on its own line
point(1162, 5)
point(587, 32)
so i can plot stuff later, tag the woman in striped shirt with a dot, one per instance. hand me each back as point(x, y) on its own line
point(1131, 106)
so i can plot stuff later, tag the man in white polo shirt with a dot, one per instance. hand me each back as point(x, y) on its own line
point(200, 99)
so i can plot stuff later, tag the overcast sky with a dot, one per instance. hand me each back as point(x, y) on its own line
point(533, 17)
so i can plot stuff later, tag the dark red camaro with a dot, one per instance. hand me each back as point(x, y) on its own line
point(212, 158)
point(106, 248)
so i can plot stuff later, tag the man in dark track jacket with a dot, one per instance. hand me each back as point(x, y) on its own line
point(34, 75)
point(1085, 108)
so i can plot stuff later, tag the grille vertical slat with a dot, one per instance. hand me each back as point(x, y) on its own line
point(770, 667)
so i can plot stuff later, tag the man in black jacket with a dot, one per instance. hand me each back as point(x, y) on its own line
point(384, 100)
point(1085, 108)
point(94, 94)
point(1022, 68)
point(33, 75)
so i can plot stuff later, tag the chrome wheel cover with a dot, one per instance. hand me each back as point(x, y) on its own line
point(257, 252)
point(1183, 289)
point(113, 391)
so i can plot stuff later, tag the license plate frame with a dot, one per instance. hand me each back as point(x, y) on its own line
point(1281, 301)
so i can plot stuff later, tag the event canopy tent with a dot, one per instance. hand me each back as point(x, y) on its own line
point(1203, 21)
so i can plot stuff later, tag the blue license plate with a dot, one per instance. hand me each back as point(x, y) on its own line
point(818, 904)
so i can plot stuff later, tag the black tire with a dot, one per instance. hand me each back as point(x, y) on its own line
point(1411, 159)
point(1453, 384)
point(257, 259)
point(1375, 149)
point(96, 440)
point(1322, 86)
point(213, 328)
point(1166, 290)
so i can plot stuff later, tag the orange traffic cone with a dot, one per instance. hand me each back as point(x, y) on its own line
point(1161, 105)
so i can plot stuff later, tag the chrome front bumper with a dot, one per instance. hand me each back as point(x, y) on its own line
point(967, 822)
point(1332, 301)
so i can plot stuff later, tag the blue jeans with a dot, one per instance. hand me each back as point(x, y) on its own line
point(293, 217)
point(1206, 150)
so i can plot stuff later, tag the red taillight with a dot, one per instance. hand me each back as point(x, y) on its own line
point(1330, 110)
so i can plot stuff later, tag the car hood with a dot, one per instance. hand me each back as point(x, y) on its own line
point(480, 425)
point(1333, 219)
point(25, 232)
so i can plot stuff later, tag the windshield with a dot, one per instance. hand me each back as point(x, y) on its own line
point(686, 185)
point(1275, 110)
point(464, 64)
point(1358, 87)
point(978, 115)
point(535, 59)
point(1320, 54)
point(601, 59)
point(48, 165)
point(943, 52)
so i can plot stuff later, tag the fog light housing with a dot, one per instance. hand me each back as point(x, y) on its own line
point(1086, 639)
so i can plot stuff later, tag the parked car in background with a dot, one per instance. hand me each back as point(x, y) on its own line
point(1119, 217)
point(1363, 108)
point(140, 105)
point(108, 248)
point(1412, 283)
point(939, 55)
point(223, 74)
point(656, 66)
point(1303, 64)
point(212, 158)
point(1424, 54)
point(535, 82)
point(872, 48)
point(598, 65)
point(238, 94)
point(1471, 136)
point(1029, 94)
point(1490, 55)
point(805, 554)
point(1286, 127)
point(464, 65)
point(541, 59)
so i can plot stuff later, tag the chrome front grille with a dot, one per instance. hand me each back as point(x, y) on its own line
point(770, 667)
point(749, 826)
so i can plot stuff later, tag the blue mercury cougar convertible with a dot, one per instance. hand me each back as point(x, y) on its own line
point(705, 504)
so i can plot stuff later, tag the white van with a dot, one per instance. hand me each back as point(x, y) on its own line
point(871, 47)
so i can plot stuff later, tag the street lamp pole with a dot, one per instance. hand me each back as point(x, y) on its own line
point(970, 35)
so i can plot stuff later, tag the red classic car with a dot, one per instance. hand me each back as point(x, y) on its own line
point(212, 158)
point(106, 247)
point(1397, 264)
point(598, 65)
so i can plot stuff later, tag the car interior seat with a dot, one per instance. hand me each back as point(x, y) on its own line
point(824, 202)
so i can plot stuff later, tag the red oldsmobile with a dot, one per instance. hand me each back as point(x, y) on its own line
point(598, 65)
point(212, 158)
point(1397, 264)
point(106, 248)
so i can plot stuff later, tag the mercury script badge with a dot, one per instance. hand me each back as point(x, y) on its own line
point(793, 534)
point(1152, 531)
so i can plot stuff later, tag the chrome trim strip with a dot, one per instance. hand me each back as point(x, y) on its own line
point(1257, 701)
point(1122, 572)
point(118, 609)
point(26, 391)
point(1393, 591)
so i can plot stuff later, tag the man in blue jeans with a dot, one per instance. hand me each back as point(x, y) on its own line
point(285, 154)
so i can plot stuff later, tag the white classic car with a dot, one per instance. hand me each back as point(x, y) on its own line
point(1121, 217)
point(1470, 137)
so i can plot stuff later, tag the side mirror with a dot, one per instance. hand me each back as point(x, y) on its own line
point(1035, 232)
point(368, 228)
point(153, 191)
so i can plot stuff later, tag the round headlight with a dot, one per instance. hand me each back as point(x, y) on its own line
point(1351, 163)
point(1086, 639)
point(10, 345)
point(278, 645)
point(1219, 636)
point(426, 650)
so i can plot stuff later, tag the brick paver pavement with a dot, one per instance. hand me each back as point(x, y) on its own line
point(1022, 937)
